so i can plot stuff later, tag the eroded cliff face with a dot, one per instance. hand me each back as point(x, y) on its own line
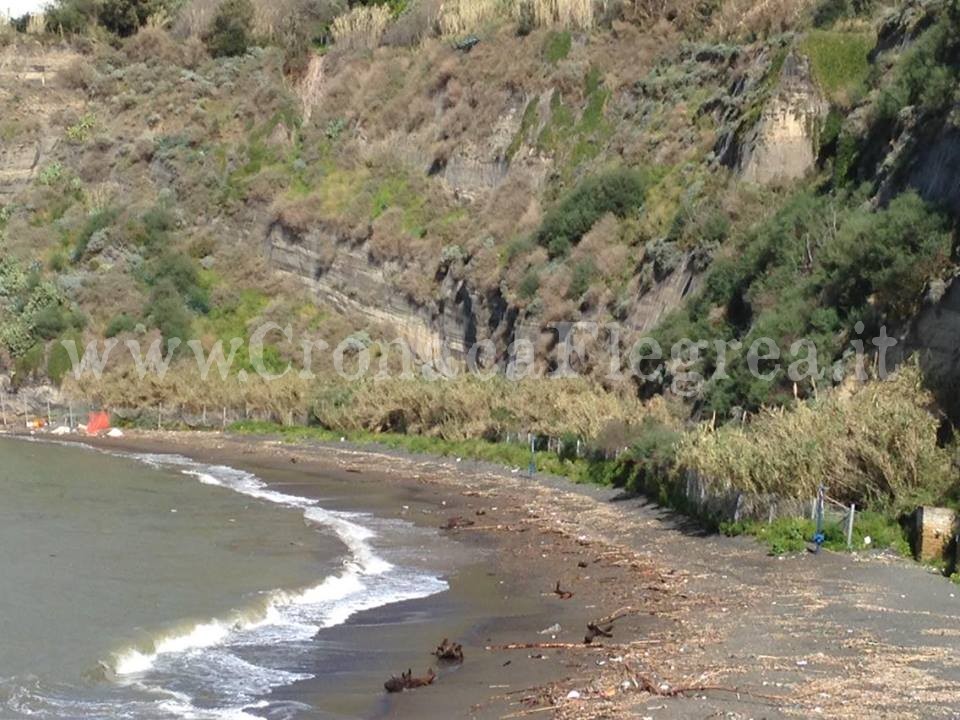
point(924, 157)
point(933, 339)
point(338, 271)
point(31, 91)
point(782, 146)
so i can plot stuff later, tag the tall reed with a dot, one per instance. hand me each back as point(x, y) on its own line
point(362, 27)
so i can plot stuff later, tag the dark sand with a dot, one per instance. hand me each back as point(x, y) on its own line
point(713, 627)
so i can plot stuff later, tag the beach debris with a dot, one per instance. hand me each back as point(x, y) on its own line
point(452, 652)
point(594, 631)
point(115, 433)
point(457, 522)
point(581, 564)
point(573, 695)
point(552, 630)
point(541, 646)
point(562, 594)
point(603, 627)
point(406, 681)
point(62, 430)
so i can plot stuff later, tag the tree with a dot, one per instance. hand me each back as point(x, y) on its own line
point(230, 31)
point(125, 17)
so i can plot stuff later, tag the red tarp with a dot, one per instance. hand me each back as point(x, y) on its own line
point(98, 422)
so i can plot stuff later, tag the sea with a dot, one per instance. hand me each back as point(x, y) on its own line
point(153, 586)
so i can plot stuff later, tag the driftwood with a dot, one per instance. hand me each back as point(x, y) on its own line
point(457, 522)
point(562, 594)
point(603, 627)
point(406, 681)
point(539, 646)
point(594, 631)
point(647, 685)
point(452, 652)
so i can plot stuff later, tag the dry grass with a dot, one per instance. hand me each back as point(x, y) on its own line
point(748, 18)
point(36, 25)
point(876, 445)
point(362, 27)
point(184, 390)
point(458, 17)
point(469, 408)
point(194, 17)
point(579, 14)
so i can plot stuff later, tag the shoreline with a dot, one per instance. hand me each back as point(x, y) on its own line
point(709, 624)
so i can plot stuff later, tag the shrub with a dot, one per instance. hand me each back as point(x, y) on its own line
point(120, 324)
point(885, 259)
point(50, 321)
point(79, 74)
point(178, 271)
point(583, 274)
point(618, 192)
point(529, 285)
point(417, 23)
point(70, 16)
point(168, 313)
point(125, 17)
point(97, 221)
point(230, 30)
point(58, 359)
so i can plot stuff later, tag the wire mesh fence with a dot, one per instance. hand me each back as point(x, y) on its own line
point(36, 411)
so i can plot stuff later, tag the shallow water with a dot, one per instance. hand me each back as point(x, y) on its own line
point(153, 586)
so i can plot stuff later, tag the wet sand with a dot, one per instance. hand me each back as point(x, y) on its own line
point(711, 626)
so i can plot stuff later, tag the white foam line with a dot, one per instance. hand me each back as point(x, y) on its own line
point(363, 562)
point(341, 596)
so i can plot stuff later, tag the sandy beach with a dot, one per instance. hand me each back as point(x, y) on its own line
point(704, 626)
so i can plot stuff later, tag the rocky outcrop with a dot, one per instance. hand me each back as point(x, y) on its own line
point(932, 339)
point(339, 273)
point(665, 296)
point(782, 145)
point(924, 160)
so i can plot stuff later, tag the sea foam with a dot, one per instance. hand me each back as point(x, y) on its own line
point(366, 582)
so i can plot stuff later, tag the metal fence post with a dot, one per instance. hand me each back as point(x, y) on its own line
point(850, 515)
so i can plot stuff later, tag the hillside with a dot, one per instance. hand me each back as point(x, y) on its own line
point(477, 172)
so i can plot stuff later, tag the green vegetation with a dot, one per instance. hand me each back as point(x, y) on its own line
point(618, 191)
point(557, 46)
point(575, 141)
point(787, 536)
point(840, 63)
point(507, 454)
point(813, 270)
point(230, 32)
point(120, 17)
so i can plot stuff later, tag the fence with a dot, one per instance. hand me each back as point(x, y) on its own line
point(704, 497)
point(32, 410)
point(826, 508)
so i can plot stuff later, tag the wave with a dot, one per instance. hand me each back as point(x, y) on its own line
point(208, 654)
